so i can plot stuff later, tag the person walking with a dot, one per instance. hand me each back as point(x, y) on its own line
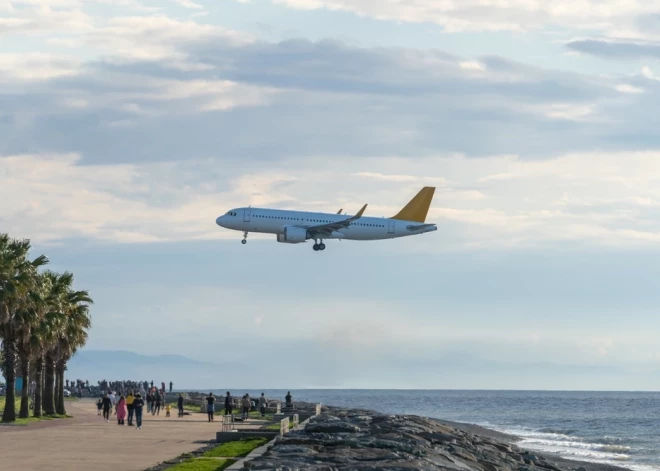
point(210, 406)
point(150, 401)
point(245, 404)
point(228, 404)
point(157, 399)
point(171, 384)
point(138, 404)
point(262, 405)
point(129, 406)
point(179, 403)
point(122, 411)
point(107, 405)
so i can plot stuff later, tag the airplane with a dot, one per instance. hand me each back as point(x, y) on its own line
point(295, 227)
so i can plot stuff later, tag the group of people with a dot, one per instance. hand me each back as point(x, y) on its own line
point(124, 387)
point(131, 407)
point(246, 404)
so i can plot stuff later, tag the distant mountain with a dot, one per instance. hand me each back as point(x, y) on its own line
point(95, 365)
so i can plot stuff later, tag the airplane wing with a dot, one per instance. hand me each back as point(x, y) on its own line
point(327, 229)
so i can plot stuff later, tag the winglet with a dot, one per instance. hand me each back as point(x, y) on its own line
point(360, 212)
point(339, 212)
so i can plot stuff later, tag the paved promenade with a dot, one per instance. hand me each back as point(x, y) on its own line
point(87, 442)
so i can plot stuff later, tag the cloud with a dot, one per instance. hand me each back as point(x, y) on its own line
point(206, 86)
point(615, 49)
point(475, 15)
point(603, 199)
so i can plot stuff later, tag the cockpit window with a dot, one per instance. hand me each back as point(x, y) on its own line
point(230, 213)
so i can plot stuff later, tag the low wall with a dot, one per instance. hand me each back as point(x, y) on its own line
point(223, 437)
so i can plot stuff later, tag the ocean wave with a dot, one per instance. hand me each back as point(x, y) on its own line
point(557, 431)
point(565, 442)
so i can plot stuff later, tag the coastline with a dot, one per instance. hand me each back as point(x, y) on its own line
point(344, 438)
point(556, 459)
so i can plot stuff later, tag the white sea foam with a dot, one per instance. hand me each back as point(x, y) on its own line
point(561, 442)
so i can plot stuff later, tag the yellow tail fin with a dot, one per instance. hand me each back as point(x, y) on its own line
point(418, 207)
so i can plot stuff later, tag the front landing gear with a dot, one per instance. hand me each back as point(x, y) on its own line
point(244, 241)
point(318, 247)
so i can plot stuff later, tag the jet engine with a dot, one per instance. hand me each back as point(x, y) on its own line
point(292, 235)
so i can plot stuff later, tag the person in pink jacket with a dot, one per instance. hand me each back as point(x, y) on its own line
point(122, 411)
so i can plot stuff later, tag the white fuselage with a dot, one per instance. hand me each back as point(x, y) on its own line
point(273, 221)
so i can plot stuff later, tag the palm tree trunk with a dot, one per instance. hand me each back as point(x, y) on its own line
point(59, 406)
point(39, 377)
point(25, 391)
point(49, 386)
point(9, 353)
point(56, 388)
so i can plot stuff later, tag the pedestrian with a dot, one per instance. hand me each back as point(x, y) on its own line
point(179, 403)
point(171, 384)
point(138, 404)
point(122, 411)
point(157, 399)
point(107, 404)
point(129, 406)
point(262, 405)
point(245, 403)
point(228, 404)
point(168, 408)
point(99, 406)
point(210, 406)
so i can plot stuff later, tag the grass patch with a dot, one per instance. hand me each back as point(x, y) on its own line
point(276, 426)
point(202, 464)
point(3, 402)
point(236, 449)
point(30, 420)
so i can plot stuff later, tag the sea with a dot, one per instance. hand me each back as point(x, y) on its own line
point(618, 428)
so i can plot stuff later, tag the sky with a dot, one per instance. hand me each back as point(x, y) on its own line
point(128, 126)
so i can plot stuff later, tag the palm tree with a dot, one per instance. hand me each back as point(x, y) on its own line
point(73, 336)
point(17, 275)
point(31, 342)
point(61, 285)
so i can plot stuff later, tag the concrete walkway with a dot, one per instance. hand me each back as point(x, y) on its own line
point(87, 442)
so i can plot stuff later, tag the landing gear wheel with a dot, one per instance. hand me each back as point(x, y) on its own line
point(316, 247)
point(321, 246)
point(244, 241)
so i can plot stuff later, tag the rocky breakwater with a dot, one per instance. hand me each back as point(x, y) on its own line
point(361, 440)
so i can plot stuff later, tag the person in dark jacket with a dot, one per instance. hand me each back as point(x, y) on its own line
point(158, 399)
point(210, 406)
point(228, 404)
point(107, 405)
point(179, 403)
point(129, 405)
point(138, 404)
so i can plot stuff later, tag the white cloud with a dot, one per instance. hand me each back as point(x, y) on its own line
point(626, 88)
point(36, 66)
point(617, 17)
point(189, 4)
point(606, 199)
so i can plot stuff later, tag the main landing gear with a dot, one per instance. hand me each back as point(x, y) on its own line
point(318, 246)
point(244, 241)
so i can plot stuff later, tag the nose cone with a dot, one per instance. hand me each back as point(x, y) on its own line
point(219, 221)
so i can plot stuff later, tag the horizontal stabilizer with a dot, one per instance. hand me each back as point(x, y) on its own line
point(419, 227)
